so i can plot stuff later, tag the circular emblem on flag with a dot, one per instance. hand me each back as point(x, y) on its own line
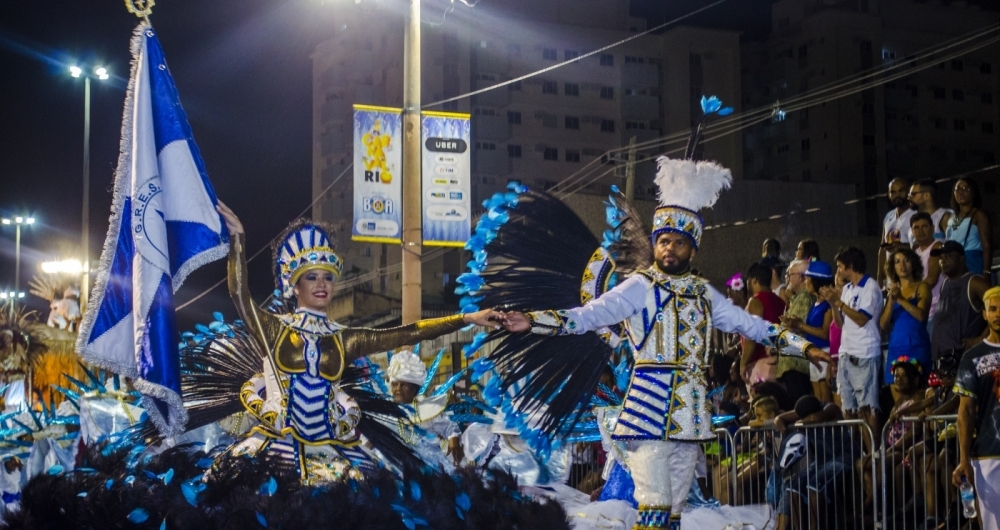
point(149, 227)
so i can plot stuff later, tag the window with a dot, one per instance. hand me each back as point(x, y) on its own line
point(572, 155)
point(608, 126)
point(486, 77)
point(988, 127)
point(987, 98)
point(513, 117)
point(633, 59)
point(959, 125)
point(549, 120)
point(938, 92)
point(590, 151)
point(986, 68)
point(549, 54)
point(571, 89)
point(956, 65)
point(939, 123)
point(607, 92)
point(513, 151)
point(783, 148)
point(572, 122)
point(806, 175)
point(607, 59)
point(783, 23)
point(635, 125)
point(886, 54)
point(868, 139)
point(550, 87)
point(570, 54)
point(805, 144)
point(958, 95)
point(868, 109)
point(486, 146)
point(550, 153)
point(486, 112)
point(516, 85)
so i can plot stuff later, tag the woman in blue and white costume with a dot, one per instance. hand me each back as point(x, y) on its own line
point(302, 412)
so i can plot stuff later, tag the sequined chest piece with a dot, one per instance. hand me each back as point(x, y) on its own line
point(673, 326)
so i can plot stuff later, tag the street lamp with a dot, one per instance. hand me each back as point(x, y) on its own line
point(102, 74)
point(18, 221)
point(67, 266)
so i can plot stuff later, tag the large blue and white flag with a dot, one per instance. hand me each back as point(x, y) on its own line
point(163, 226)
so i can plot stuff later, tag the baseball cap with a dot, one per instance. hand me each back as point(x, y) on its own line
point(819, 269)
point(949, 247)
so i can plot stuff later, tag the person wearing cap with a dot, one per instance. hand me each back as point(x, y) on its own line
point(816, 326)
point(978, 384)
point(429, 424)
point(958, 323)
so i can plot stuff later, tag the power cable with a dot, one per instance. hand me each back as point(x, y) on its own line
point(575, 59)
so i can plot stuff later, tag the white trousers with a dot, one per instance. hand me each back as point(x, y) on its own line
point(662, 472)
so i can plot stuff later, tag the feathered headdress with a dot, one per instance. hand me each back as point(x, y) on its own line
point(687, 186)
point(304, 246)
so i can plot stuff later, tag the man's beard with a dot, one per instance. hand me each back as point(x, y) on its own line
point(678, 268)
point(913, 206)
point(901, 203)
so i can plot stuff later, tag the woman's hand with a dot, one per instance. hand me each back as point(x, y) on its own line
point(484, 317)
point(232, 222)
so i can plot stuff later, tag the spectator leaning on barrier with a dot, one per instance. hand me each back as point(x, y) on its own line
point(921, 198)
point(855, 310)
point(978, 384)
point(896, 225)
point(922, 230)
point(755, 364)
point(970, 226)
point(905, 314)
point(958, 323)
point(816, 325)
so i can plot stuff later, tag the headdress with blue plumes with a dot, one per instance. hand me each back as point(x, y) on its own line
point(687, 186)
point(304, 246)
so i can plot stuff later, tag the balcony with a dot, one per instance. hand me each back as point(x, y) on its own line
point(490, 128)
point(640, 107)
point(640, 75)
point(494, 162)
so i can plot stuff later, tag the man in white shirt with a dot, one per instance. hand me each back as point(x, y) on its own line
point(896, 225)
point(921, 198)
point(860, 343)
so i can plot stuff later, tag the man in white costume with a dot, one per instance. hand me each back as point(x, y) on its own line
point(669, 315)
point(430, 423)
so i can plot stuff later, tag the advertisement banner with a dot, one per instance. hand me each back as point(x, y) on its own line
point(446, 179)
point(378, 174)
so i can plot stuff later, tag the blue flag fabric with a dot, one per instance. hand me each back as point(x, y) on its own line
point(163, 226)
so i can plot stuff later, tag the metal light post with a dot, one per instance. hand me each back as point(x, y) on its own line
point(17, 222)
point(102, 74)
point(412, 200)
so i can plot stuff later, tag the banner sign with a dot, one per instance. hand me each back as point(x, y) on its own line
point(378, 174)
point(446, 179)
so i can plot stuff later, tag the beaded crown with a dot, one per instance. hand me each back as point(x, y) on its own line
point(305, 248)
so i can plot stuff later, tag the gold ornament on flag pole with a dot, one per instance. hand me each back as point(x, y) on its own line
point(140, 8)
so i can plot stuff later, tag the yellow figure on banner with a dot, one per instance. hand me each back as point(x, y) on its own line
point(376, 167)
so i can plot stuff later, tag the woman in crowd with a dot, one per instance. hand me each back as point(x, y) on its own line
point(905, 314)
point(970, 226)
point(816, 326)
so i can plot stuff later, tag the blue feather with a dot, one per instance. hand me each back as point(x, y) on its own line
point(726, 111)
point(268, 488)
point(138, 516)
point(447, 385)
point(261, 520)
point(431, 372)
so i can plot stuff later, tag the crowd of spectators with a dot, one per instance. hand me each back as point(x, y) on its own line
point(897, 341)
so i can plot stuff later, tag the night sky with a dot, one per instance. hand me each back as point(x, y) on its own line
point(244, 75)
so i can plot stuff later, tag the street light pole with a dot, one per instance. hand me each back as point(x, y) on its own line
point(85, 239)
point(17, 222)
point(412, 203)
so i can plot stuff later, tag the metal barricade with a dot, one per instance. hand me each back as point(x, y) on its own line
point(817, 480)
point(720, 459)
point(918, 456)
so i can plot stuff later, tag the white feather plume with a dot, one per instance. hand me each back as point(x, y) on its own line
point(690, 184)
